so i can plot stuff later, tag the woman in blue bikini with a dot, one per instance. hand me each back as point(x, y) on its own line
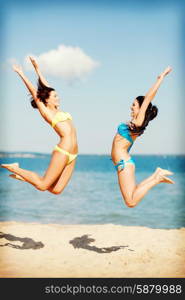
point(142, 112)
point(63, 159)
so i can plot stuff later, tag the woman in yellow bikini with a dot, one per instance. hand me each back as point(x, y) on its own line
point(63, 159)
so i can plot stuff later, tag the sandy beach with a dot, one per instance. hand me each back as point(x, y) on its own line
point(52, 250)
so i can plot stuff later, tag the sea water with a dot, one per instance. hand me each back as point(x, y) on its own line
point(92, 196)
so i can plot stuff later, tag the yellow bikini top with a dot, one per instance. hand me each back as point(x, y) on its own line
point(60, 117)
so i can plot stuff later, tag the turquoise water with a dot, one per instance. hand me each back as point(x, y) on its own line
point(92, 196)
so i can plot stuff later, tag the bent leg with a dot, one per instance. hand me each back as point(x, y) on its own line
point(151, 177)
point(58, 186)
point(133, 193)
point(56, 166)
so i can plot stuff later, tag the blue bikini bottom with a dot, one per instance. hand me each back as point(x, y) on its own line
point(122, 163)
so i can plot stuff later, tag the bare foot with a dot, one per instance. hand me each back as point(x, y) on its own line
point(163, 171)
point(167, 180)
point(11, 167)
point(18, 177)
point(160, 175)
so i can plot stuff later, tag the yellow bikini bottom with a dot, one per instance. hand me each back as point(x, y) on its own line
point(70, 156)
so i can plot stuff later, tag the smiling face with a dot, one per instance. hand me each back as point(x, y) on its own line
point(53, 99)
point(134, 109)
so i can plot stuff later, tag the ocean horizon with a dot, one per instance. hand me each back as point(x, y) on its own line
point(92, 196)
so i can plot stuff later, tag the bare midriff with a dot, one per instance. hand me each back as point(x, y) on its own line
point(68, 136)
point(120, 147)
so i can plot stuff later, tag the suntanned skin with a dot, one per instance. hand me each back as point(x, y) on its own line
point(133, 193)
point(59, 172)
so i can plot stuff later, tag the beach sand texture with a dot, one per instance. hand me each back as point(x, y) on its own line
point(52, 250)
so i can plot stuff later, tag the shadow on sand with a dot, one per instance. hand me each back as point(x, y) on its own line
point(84, 241)
point(27, 242)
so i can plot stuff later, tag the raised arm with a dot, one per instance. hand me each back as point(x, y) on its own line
point(41, 107)
point(37, 70)
point(26, 81)
point(150, 95)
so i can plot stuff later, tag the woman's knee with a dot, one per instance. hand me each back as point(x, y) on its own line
point(42, 186)
point(129, 202)
point(56, 191)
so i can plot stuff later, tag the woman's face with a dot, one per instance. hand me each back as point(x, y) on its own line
point(53, 99)
point(134, 109)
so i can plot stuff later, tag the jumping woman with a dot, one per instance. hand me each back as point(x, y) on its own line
point(142, 112)
point(63, 159)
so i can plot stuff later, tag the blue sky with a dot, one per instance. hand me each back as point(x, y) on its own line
point(132, 45)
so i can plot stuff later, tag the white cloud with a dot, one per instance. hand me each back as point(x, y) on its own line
point(67, 62)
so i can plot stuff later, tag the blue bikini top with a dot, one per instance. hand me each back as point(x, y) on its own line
point(124, 131)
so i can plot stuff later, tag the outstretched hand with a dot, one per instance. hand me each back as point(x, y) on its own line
point(34, 63)
point(167, 71)
point(17, 69)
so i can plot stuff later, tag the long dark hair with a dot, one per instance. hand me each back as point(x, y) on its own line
point(150, 114)
point(43, 93)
